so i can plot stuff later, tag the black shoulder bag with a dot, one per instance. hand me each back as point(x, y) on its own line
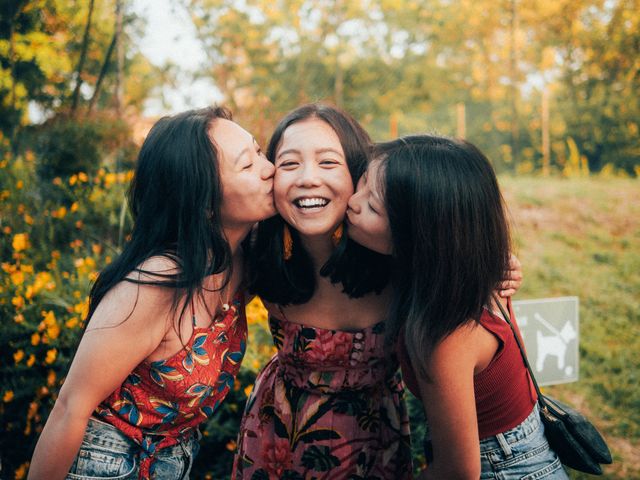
point(574, 439)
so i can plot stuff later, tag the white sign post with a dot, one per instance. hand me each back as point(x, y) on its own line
point(551, 332)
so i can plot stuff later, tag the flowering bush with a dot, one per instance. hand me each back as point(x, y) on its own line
point(51, 251)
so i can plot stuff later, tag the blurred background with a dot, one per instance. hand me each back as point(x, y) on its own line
point(547, 88)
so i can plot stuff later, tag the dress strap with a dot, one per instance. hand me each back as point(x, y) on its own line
point(193, 314)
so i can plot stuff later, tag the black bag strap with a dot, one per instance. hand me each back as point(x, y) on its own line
point(506, 316)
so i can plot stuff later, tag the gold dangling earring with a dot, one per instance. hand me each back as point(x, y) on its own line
point(337, 235)
point(287, 242)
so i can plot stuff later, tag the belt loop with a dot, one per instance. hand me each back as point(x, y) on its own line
point(504, 445)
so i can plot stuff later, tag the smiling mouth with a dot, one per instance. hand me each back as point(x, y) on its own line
point(311, 202)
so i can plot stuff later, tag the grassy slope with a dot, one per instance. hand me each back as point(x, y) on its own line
point(582, 237)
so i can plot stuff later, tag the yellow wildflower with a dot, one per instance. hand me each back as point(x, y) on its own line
point(18, 302)
point(7, 230)
point(20, 242)
point(31, 360)
point(55, 254)
point(17, 278)
point(53, 330)
point(248, 389)
point(96, 248)
point(28, 219)
point(72, 322)
point(82, 308)
point(83, 177)
point(8, 396)
point(110, 179)
point(35, 339)
point(231, 445)
point(19, 184)
point(8, 267)
point(73, 180)
point(26, 268)
point(49, 318)
point(30, 292)
point(79, 224)
point(57, 181)
point(59, 213)
point(19, 318)
point(18, 356)
point(74, 207)
point(51, 378)
point(51, 356)
point(33, 409)
point(29, 156)
point(21, 471)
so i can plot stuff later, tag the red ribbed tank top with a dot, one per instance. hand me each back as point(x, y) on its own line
point(504, 392)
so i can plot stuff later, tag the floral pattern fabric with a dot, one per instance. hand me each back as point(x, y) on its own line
point(329, 405)
point(163, 402)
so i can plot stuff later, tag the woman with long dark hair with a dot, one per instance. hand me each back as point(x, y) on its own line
point(434, 205)
point(166, 330)
point(327, 405)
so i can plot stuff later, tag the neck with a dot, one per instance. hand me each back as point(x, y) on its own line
point(319, 248)
point(235, 236)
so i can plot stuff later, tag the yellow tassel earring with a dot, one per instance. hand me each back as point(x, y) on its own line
point(337, 235)
point(287, 242)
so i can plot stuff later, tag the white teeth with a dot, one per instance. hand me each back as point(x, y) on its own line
point(311, 202)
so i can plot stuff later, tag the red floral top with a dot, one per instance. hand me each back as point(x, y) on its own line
point(164, 401)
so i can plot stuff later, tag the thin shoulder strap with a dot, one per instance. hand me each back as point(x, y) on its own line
point(507, 317)
point(193, 314)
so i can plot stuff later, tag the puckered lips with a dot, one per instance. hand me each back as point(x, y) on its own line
point(310, 204)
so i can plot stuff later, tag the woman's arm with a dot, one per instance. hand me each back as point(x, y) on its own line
point(127, 326)
point(449, 403)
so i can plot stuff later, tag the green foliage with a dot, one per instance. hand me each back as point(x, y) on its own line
point(402, 68)
point(67, 146)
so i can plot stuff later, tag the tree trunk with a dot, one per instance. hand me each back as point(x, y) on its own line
point(120, 56)
point(83, 55)
point(103, 72)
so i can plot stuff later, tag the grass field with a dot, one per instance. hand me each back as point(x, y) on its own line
point(582, 237)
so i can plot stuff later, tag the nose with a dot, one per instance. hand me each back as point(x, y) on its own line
point(354, 203)
point(308, 176)
point(268, 169)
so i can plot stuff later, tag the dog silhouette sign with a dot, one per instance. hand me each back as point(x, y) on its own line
point(550, 328)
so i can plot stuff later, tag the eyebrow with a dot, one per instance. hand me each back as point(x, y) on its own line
point(244, 151)
point(320, 150)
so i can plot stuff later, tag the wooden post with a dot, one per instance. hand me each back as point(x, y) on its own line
point(461, 120)
point(393, 125)
point(513, 83)
point(546, 154)
point(119, 57)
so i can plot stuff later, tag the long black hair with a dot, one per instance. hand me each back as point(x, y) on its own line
point(175, 199)
point(292, 281)
point(450, 236)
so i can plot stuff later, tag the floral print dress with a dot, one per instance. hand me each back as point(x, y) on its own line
point(329, 405)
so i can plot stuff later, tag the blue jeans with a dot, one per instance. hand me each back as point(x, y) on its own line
point(106, 453)
point(521, 453)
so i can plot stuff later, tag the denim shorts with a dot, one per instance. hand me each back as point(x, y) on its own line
point(106, 453)
point(521, 453)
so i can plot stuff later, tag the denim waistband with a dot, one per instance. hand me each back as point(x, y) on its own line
point(102, 434)
point(516, 434)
